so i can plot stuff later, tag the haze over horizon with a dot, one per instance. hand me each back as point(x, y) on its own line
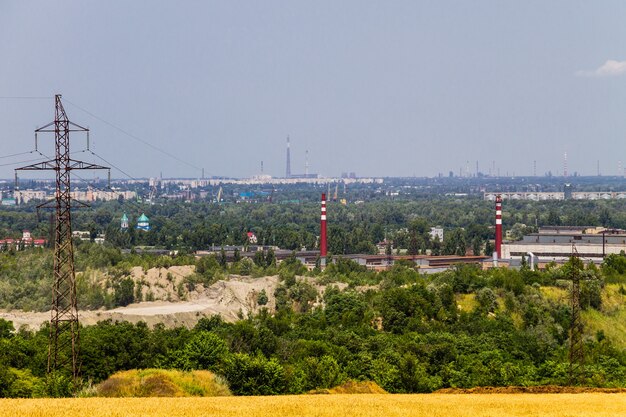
point(381, 89)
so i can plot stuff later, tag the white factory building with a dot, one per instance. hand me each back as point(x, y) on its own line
point(557, 243)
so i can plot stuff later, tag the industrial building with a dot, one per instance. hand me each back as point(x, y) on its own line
point(568, 194)
point(427, 264)
point(556, 244)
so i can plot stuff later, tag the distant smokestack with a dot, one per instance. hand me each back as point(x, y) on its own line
point(565, 164)
point(499, 226)
point(288, 168)
point(306, 163)
point(323, 232)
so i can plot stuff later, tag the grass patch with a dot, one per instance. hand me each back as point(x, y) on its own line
point(162, 383)
point(612, 299)
point(353, 387)
point(613, 326)
point(555, 294)
point(466, 302)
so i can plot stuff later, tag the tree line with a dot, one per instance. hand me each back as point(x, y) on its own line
point(353, 228)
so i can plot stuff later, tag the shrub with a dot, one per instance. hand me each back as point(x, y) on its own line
point(262, 299)
point(124, 292)
point(256, 375)
point(324, 372)
point(162, 383)
point(205, 350)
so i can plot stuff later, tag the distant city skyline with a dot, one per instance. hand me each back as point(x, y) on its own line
point(405, 88)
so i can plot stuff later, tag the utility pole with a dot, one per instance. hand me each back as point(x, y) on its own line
point(63, 347)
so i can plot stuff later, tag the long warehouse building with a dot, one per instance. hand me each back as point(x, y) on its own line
point(555, 244)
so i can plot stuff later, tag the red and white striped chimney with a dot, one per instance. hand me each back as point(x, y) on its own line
point(499, 226)
point(323, 232)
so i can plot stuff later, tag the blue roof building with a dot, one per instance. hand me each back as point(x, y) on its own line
point(143, 223)
point(124, 222)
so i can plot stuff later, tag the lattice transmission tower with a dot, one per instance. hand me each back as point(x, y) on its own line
point(576, 273)
point(63, 347)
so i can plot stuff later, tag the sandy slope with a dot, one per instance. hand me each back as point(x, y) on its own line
point(228, 298)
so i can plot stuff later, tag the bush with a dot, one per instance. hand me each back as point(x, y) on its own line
point(261, 298)
point(6, 381)
point(591, 294)
point(55, 385)
point(205, 350)
point(487, 300)
point(124, 292)
point(162, 383)
point(256, 375)
point(324, 372)
point(24, 383)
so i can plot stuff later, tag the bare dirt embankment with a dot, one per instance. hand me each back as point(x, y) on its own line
point(229, 298)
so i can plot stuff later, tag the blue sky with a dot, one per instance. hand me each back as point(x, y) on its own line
point(395, 88)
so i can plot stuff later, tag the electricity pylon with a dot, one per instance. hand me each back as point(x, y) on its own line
point(63, 347)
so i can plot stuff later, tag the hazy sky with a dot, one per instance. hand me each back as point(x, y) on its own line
point(384, 88)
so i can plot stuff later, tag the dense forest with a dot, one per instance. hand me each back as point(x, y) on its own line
point(406, 331)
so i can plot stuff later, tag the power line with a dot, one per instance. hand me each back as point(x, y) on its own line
point(25, 98)
point(131, 204)
point(22, 162)
point(16, 154)
point(114, 166)
point(108, 188)
point(130, 135)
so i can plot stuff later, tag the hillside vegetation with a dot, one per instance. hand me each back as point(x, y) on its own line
point(162, 383)
point(405, 331)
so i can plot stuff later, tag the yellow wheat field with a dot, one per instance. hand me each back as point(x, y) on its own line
point(444, 405)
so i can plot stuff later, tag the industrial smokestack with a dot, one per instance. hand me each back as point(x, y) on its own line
point(323, 232)
point(288, 167)
point(499, 226)
point(306, 164)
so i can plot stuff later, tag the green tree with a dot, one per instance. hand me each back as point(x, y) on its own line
point(124, 292)
point(270, 258)
point(553, 218)
point(205, 350)
point(322, 372)
point(476, 245)
point(413, 245)
point(259, 259)
point(254, 375)
point(487, 300)
point(222, 259)
point(489, 248)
